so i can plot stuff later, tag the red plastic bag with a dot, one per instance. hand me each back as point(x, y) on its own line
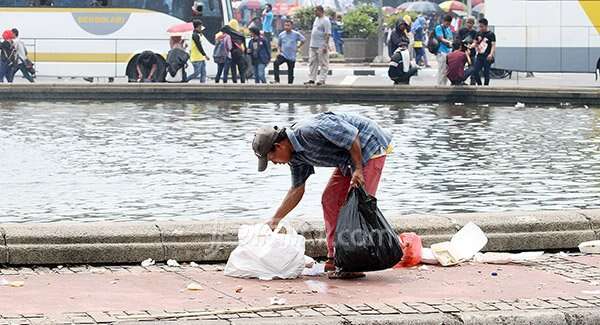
point(411, 248)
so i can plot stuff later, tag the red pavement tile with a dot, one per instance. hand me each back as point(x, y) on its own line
point(56, 293)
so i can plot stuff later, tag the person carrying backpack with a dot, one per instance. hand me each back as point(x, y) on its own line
point(222, 56)
point(260, 52)
point(444, 37)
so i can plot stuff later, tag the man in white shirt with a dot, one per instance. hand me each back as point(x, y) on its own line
point(318, 59)
point(22, 56)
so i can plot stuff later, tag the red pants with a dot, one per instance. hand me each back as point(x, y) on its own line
point(336, 191)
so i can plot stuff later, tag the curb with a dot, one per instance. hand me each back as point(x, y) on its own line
point(295, 93)
point(210, 241)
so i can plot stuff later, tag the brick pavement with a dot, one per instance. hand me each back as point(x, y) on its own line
point(574, 272)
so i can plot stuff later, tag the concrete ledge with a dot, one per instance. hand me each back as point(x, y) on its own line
point(210, 241)
point(298, 93)
point(77, 243)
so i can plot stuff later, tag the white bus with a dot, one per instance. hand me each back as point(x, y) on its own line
point(71, 38)
point(546, 35)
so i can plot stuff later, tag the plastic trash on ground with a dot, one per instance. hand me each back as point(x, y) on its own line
point(590, 247)
point(194, 287)
point(467, 242)
point(315, 270)
point(411, 250)
point(505, 258)
point(427, 257)
point(364, 240)
point(265, 254)
point(148, 262)
point(173, 263)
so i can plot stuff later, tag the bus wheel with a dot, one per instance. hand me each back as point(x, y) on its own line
point(499, 73)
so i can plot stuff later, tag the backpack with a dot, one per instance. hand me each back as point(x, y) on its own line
point(219, 51)
point(433, 44)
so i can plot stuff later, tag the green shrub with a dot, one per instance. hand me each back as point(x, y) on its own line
point(361, 22)
point(304, 18)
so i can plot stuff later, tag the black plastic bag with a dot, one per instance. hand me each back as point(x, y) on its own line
point(364, 240)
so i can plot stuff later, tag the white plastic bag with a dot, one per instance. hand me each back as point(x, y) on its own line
point(266, 254)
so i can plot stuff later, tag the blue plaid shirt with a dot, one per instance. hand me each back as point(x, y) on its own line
point(324, 141)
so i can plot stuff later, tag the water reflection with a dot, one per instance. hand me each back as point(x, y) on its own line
point(146, 161)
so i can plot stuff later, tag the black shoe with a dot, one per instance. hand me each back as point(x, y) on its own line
point(310, 82)
point(320, 83)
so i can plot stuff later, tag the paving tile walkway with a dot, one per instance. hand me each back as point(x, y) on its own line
point(129, 294)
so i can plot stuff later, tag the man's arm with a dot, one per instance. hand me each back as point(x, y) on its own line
point(291, 200)
point(492, 52)
point(326, 46)
point(152, 71)
point(196, 39)
point(356, 156)
point(139, 71)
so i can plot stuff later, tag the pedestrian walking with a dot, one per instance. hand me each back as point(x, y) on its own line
point(318, 59)
point(288, 44)
point(222, 56)
point(485, 45)
point(337, 29)
point(354, 145)
point(238, 49)
point(260, 53)
point(443, 33)
point(23, 63)
point(197, 54)
point(418, 30)
point(8, 56)
point(267, 23)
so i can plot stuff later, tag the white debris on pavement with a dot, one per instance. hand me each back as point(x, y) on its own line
point(148, 262)
point(277, 301)
point(194, 287)
point(173, 263)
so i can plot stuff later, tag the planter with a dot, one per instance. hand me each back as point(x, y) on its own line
point(357, 49)
point(371, 49)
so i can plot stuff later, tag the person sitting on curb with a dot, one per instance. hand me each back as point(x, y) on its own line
point(356, 146)
point(456, 64)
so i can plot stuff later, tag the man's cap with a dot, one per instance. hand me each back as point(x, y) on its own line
point(263, 142)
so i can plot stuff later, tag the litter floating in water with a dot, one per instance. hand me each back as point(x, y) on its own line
point(239, 289)
point(519, 105)
point(194, 287)
point(173, 263)
point(494, 273)
point(148, 262)
point(194, 264)
point(278, 301)
point(459, 104)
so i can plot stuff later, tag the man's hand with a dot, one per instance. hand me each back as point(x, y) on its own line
point(207, 58)
point(490, 58)
point(358, 179)
point(325, 50)
point(273, 223)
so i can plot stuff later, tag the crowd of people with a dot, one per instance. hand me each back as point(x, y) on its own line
point(235, 56)
point(461, 54)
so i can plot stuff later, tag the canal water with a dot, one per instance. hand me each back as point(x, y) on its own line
point(92, 161)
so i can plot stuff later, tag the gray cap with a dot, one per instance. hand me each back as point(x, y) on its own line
point(263, 142)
